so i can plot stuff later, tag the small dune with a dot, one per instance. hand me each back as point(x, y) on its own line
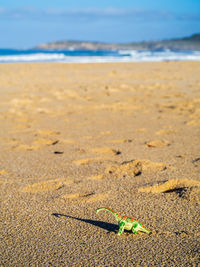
point(104, 150)
point(136, 167)
point(170, 185)
point(88, 197)
point(44, 141)
point(50, 185)
point(166, 131)
point(126, 169)
point(85, 161)
point(158, 143)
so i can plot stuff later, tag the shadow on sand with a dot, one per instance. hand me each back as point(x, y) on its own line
point(104, 225)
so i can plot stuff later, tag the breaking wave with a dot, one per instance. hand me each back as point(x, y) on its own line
point(9, 56)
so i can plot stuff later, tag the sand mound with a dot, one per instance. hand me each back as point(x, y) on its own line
point(44, 186)
point(104, 150)
point(43, 141)
point(88, 197)
point(86, 161)
point(170, 186)
point(158, 143)
point(136, 167)
point(166, 131)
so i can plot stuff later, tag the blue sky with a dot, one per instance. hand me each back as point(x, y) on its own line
point(26, 23)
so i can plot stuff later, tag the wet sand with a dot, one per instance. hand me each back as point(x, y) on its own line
point(77, 137)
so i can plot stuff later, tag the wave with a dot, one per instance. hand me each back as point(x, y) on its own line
point(61, 58)
point(165, 55)
point(38, 57)
point(99, 57)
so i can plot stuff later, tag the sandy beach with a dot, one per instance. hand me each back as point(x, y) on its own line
point(77, 137)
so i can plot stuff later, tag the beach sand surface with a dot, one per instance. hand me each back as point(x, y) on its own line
point(77, 137)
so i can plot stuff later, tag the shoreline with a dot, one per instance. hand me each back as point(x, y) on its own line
point(115, 56)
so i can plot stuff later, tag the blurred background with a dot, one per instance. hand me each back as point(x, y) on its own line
point(99, 31)
point(25, 24)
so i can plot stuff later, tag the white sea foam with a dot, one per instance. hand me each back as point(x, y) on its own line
point(56, 57)
point(165, 55)
point(119, 56)
point(32, 57)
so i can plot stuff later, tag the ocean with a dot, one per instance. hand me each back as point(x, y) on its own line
point(70, 56)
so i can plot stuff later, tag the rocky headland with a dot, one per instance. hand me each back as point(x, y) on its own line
point(187, 43)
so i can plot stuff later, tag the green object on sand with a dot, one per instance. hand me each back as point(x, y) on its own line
point(126, 223)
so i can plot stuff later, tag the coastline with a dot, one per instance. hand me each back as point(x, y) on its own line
point(76, 137)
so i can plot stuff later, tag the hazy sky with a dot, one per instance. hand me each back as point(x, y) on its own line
point(26, 23)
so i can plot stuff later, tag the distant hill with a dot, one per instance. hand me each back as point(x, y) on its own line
point(187, 43)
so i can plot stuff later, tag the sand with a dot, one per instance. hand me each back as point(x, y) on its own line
point(77, 137)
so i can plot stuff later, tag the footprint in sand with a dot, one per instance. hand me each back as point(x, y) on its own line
point(44, 186)
point(136, 167)
point(86, 197)
point(158, 143)
point(189, 189)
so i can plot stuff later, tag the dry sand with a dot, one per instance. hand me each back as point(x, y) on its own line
point(74, 138)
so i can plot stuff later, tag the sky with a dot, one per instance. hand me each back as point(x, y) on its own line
point(27, 23)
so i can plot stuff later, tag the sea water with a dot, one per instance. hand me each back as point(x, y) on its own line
point(69, 56)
